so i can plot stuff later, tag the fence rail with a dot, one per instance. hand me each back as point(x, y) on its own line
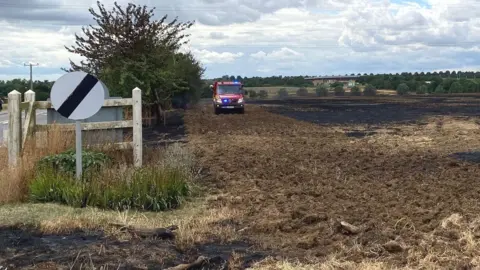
point(18, 133)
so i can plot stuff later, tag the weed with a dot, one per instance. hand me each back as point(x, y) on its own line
point(263, 94)
point(302, 92)
point(339, 91)
point(322, 90)
point(370, 90)
point(282, 92)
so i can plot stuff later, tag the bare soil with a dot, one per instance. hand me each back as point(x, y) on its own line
point(398, 178)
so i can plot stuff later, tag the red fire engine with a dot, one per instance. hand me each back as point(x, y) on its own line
point(228, 96)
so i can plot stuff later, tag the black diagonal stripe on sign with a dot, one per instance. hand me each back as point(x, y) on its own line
point(80, 92)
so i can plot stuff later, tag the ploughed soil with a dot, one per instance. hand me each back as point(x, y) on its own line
point(378, 179)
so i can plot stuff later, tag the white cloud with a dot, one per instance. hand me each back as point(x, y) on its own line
point(289, 37)
point(208, 57)
point(278, 55)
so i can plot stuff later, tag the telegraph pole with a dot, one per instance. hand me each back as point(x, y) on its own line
point(31, 69)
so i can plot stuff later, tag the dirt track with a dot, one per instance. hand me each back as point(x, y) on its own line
point(391, 169)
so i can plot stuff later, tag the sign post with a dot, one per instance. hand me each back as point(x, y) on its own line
point(78, 96)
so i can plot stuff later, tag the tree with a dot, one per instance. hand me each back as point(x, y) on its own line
point(127, 48)
point(439, 89)
point(402, 89)
point(455, 88)
point(422, 89)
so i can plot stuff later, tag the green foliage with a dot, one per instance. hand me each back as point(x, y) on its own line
point(339, 91)
point(321, 90)
point(252, 94)
point(263, 94)
point(41, 88)
point(402, 89)
point(422, 89)
point(65, 162)
point(455, 87)
point(151, 188)
point(355, 91)
point(149, 59)
point(439, 89)
point(293, 81)
point(336, 84)
point(282, 92)
point(370, 90)
point(302, 92)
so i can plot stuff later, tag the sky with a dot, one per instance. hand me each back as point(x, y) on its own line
point(265, 37)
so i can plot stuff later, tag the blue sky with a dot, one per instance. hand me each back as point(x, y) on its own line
point(263, 38)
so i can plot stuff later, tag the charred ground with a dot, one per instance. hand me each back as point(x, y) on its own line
point(401, 180)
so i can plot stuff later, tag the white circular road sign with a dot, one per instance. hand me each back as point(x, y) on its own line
point(78, 95)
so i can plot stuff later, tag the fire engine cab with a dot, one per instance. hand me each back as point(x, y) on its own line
point(228, 96)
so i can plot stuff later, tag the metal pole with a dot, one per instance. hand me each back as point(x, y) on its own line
point(31, 73)
point(78, 142)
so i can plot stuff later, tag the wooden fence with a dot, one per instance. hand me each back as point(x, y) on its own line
point(18, 133)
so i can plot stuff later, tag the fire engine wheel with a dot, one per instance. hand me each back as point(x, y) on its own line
point(241, 111)
point(217, 110)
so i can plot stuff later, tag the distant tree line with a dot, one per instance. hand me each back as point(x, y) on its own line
point(441, 82)
point(293, 81)
point(420, 82)
point(41, 88)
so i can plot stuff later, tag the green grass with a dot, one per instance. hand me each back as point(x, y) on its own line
point(161, 185)
point(150, 188)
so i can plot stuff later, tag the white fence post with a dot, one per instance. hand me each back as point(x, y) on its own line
point(137, 126)
point(30, 117)
point(30, 97)
point(14, 127)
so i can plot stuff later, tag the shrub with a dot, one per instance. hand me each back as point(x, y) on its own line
point(339, 91)
point(302, 92)
point(65, 162)
point(422, 89)
point(252, 94)
point(156, 187)
point(355, 91)
point(282, 92)
point(402, 89)
point(321, 90)
point(263, 94)
point(370, 90)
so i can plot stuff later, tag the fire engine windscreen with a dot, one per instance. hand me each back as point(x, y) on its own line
point(229, 89)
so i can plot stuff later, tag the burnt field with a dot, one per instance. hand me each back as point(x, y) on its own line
point(318, 183)
point(352, 182)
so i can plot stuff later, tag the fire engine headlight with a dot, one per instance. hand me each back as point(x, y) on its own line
point(218, 100)
point(240, 100)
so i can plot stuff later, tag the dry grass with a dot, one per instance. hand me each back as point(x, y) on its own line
point(195, 220)
point(14, 181)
